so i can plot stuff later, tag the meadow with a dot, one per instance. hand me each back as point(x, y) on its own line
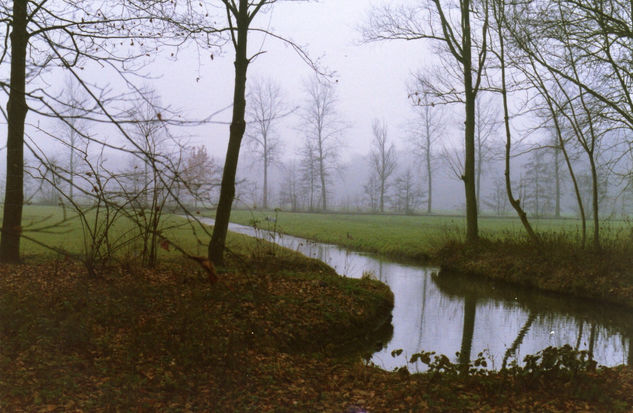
point(398, 236)
point(413, 237)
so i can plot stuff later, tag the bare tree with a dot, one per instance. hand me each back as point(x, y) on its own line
point(372, 191)
point(537, 183)
point(383, 160)
point(16, 115)
point(308, 169)
point(425, 132)
point(407, 194)
point(557, 159)
point(497, 199)
point(486, 123)
point(583, 48)
point(500, 26)
point(322, 128)
point(240, 15)
point(265, 107)
point(75, 125)
point(65, 34)
point(148, 201)
point(437, 21)
point(289, 194)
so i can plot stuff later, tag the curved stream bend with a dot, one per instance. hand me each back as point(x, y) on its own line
point(450, 314)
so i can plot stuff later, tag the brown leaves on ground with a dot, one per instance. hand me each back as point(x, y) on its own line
point(167, 340)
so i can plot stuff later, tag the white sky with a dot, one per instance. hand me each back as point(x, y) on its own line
point(371, 77)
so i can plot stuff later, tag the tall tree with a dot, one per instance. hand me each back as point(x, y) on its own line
point(485, 127)
point(289, 193)
point(584, 49)
point(556, 164)
point(538, 181)
point(265, 107)
point(436, 22)
point(55, 34)
point(240, 15)
point(407, 195)
point(200, 175)
point(75, 126)
point(425, 131)
point(16, 116)
point(322, 128)
point(500, 26)
point(308, 173)
point(383, 159)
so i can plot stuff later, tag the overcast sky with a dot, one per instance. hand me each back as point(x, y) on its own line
point(371, 78)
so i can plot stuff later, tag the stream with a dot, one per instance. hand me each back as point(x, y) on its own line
point(449, 314)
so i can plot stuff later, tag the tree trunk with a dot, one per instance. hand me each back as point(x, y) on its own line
point(595, 202)
point(478, 161)
point(322, 176)
point(71, 168)
point(472, 231)
point(516, 204)
point(16, 112)
point(382, 195)
point(429, 171)
point(265, 198)
point(572, 175)
point(557, 178)
point(238, 126)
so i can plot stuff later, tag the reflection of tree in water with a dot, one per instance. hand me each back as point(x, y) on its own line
point(592, 340)
point(519, 339)
point(580, 327)
point(470, 308)
point(553, 312)
point(593, 334)
point(422, 312)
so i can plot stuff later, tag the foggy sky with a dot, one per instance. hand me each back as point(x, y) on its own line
point(371, 78)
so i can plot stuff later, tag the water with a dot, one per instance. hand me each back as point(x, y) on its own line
point(450, 314)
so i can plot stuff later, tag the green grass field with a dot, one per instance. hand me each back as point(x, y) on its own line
point(51, 228)
point(409, 237)
point(413, 237)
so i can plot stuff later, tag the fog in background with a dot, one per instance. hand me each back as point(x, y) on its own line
point(371, 81)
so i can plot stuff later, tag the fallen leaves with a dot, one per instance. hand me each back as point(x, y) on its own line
point(159, 340)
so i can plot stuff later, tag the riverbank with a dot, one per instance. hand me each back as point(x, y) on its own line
point(556, 266)
point(278, 332)
point(559, 265)
point(273, 334)
point(167, 339)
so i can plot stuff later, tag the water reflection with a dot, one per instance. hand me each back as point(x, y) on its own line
point(470, 310)
point(448, 313)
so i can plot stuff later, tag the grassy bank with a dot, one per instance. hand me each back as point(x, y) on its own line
point(407, 237)
point(557, 265)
